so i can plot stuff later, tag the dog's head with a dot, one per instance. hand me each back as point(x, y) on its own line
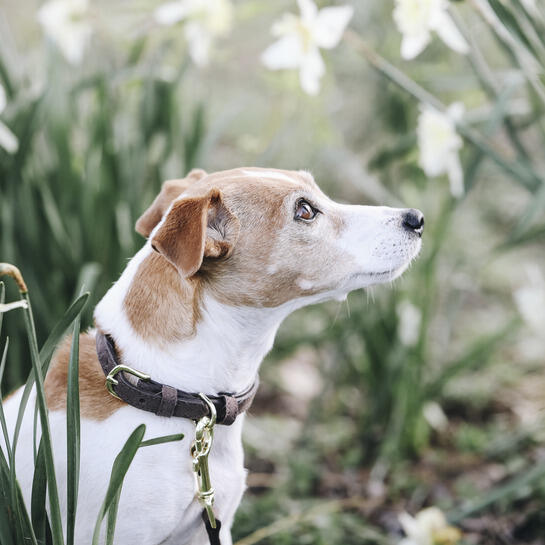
point(261, 237)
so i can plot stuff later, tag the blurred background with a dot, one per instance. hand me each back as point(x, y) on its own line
point(425, 393)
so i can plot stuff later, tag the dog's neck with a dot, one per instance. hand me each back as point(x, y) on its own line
point(222, 353)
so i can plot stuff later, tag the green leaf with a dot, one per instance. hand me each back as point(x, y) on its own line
point(2, 299)
point(476, 356)
point(163, 439)
point(120, 467)
point(510, 22)
point(2, 415)
point(535, 209)
point(45, 355)
point(54, 505)
point(39, 495)
point(73, 435)
point(530, 477)
point(112, 519)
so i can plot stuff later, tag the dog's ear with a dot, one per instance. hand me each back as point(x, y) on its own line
point(196, 228)
point(171, 190)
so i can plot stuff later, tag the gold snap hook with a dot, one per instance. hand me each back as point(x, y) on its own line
point(200, 449)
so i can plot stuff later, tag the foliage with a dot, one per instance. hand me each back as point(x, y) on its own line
point(90, 156)
point(41, 526)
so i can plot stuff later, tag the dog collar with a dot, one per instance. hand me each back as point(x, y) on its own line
point(141, 391)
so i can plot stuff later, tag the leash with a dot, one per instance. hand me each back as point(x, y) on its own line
point(140, 391)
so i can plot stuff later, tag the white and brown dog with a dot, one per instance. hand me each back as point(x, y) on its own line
point(229, 255)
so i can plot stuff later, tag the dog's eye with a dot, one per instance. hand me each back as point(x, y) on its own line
point(304, 211)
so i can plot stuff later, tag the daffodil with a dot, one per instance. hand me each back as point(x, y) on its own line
point(204, 20)
point(428, 527)
point(300, 39)
point(66, 23)
point(416, 19)
point(439, 144)
point(7, 139)
point(530, 300)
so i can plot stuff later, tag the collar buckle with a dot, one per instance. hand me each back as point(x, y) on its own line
point(111, 381)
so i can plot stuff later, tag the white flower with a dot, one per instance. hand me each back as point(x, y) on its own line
point(416, 19)
point(65, 22)
point(428, 527)
point(530, 300)
point(300, 40)
point(7, 139)
point(439, 143)
point(409, 317)
point(204, 21)
point(435, 416)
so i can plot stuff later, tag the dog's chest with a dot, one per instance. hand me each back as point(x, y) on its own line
point(157, 502)
point(158, 499)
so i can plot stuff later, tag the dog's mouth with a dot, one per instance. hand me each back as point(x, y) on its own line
point(383, 276)
point(386, 275)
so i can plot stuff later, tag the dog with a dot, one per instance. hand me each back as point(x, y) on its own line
point(228, 256)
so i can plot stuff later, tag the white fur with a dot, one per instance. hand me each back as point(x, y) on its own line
point(269, 174)
point(158, 503)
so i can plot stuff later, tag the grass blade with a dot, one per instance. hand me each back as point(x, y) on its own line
point(54, 505)
point(112, 518)
point(45, 355)
point(163, 439)
point(2, 416)
point(2, 299)
point(119, 470)
point(39, 495)
point(476, 356)
point(528, 478)
point(73, 435)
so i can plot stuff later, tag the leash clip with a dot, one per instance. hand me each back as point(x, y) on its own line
point(200, 449)
point(111, 381)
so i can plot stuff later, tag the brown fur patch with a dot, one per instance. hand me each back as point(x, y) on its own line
point(160, 304)
point(95, 401)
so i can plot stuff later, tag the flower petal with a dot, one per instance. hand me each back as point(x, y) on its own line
point(284, 53)
point(413, 45)
point(455, 175)
point(170, 13)
point(308, 10)
point(330, 25)
point(199, 42)
point(449, 33)
point(65, 22)
point(456, 111)
point(3, 98)
point(408, 523)
point(8, 140)
point(311, 71)
point(530, 299)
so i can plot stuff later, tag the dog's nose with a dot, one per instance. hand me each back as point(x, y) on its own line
point(413, 220)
